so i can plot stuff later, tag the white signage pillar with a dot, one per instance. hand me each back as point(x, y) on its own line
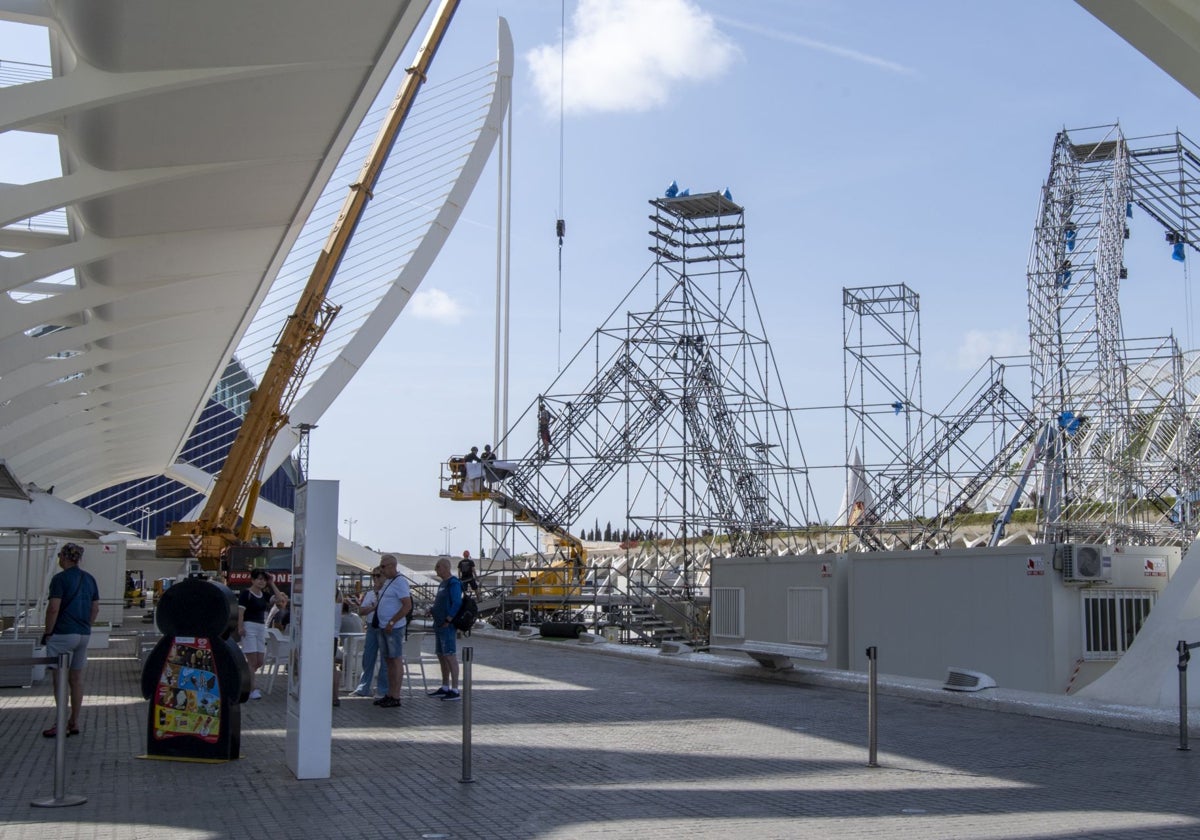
point(313, 627)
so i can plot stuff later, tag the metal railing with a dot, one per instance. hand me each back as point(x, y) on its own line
point(645, 613)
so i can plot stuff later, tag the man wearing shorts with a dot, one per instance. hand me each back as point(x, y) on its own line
point(73, 605)
point(445, 607)
point(391, 616)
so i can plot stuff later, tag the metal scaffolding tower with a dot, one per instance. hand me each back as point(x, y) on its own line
point(1100, 479)
point(910, 474)
point(881, 331)
point(681, 433)
point(1110, 450)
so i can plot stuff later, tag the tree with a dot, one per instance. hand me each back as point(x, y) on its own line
point(608, 535)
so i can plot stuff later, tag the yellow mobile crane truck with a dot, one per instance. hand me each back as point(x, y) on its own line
point(228, 516)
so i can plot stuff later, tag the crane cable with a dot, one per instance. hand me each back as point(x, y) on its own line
point(560, 226)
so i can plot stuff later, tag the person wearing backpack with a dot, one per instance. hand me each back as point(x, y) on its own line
point(445, 607)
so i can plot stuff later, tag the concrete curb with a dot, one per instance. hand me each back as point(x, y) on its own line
point(1158, 721)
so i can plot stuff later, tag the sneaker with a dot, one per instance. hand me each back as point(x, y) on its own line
point(379, 701)
point(389, 703)
point(256, 694)
point(358, 692)
point(440, 692)
point(452, 694)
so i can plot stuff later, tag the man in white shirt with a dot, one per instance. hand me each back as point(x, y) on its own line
point(391, 616)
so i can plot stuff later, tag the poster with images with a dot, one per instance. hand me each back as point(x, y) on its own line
point(188, 700)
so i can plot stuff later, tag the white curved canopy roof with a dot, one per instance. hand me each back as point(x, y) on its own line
point(194, 140)
point(1165, 31)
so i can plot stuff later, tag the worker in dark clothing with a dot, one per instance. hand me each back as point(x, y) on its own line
point(543, 424)
point(466, 574)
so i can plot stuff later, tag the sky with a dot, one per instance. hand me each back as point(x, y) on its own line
point(871, 142)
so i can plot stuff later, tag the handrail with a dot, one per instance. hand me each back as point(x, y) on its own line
point(688, 623)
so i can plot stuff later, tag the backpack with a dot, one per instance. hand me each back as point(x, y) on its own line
point(467, 613)
point(408, 619)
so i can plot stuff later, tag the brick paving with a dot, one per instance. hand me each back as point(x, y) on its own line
point(573, 741)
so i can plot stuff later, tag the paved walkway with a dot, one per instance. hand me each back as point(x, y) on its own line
point(578, 741)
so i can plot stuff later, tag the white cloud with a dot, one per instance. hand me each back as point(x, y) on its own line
point(628, 55)
point(435, 305)
point(978, 345)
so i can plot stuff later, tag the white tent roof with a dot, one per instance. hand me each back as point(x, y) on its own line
point(194, 139)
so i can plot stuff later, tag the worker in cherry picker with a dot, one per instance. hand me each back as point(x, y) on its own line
point(473, 478)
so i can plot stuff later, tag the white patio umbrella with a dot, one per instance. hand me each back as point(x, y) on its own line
point(31, 512)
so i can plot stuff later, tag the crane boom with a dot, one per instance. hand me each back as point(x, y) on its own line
point(235, 494)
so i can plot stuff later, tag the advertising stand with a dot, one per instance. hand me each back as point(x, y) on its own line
point(195, 677)
point(313, 627)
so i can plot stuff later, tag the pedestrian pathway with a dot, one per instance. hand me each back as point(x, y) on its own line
point(573, 741)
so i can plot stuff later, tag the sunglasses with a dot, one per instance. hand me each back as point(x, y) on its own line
point(376, 574)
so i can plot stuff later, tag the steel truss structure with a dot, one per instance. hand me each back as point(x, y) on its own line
point(910, 474)
point(1120, 457)
point(681, 424)
point(1109, 450)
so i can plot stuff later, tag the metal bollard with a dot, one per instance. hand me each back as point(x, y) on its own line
point(61, 798)
point(466, 719)
point(872, 709)
point(1185, 653)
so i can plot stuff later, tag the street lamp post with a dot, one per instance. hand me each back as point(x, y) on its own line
point(448, 529)
point(349, 527)
point(145, 509)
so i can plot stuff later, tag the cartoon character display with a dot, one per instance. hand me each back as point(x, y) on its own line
point(196, 676)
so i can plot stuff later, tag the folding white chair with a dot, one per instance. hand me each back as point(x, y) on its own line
point(415, 653)
point(278, 648)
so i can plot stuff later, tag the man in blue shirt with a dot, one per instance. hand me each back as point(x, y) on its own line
point(73, 605)
point(445, 607)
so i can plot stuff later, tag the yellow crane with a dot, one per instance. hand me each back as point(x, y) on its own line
point(228, 515)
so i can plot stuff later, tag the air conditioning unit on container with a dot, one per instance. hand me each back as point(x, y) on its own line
point(1086, 563)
